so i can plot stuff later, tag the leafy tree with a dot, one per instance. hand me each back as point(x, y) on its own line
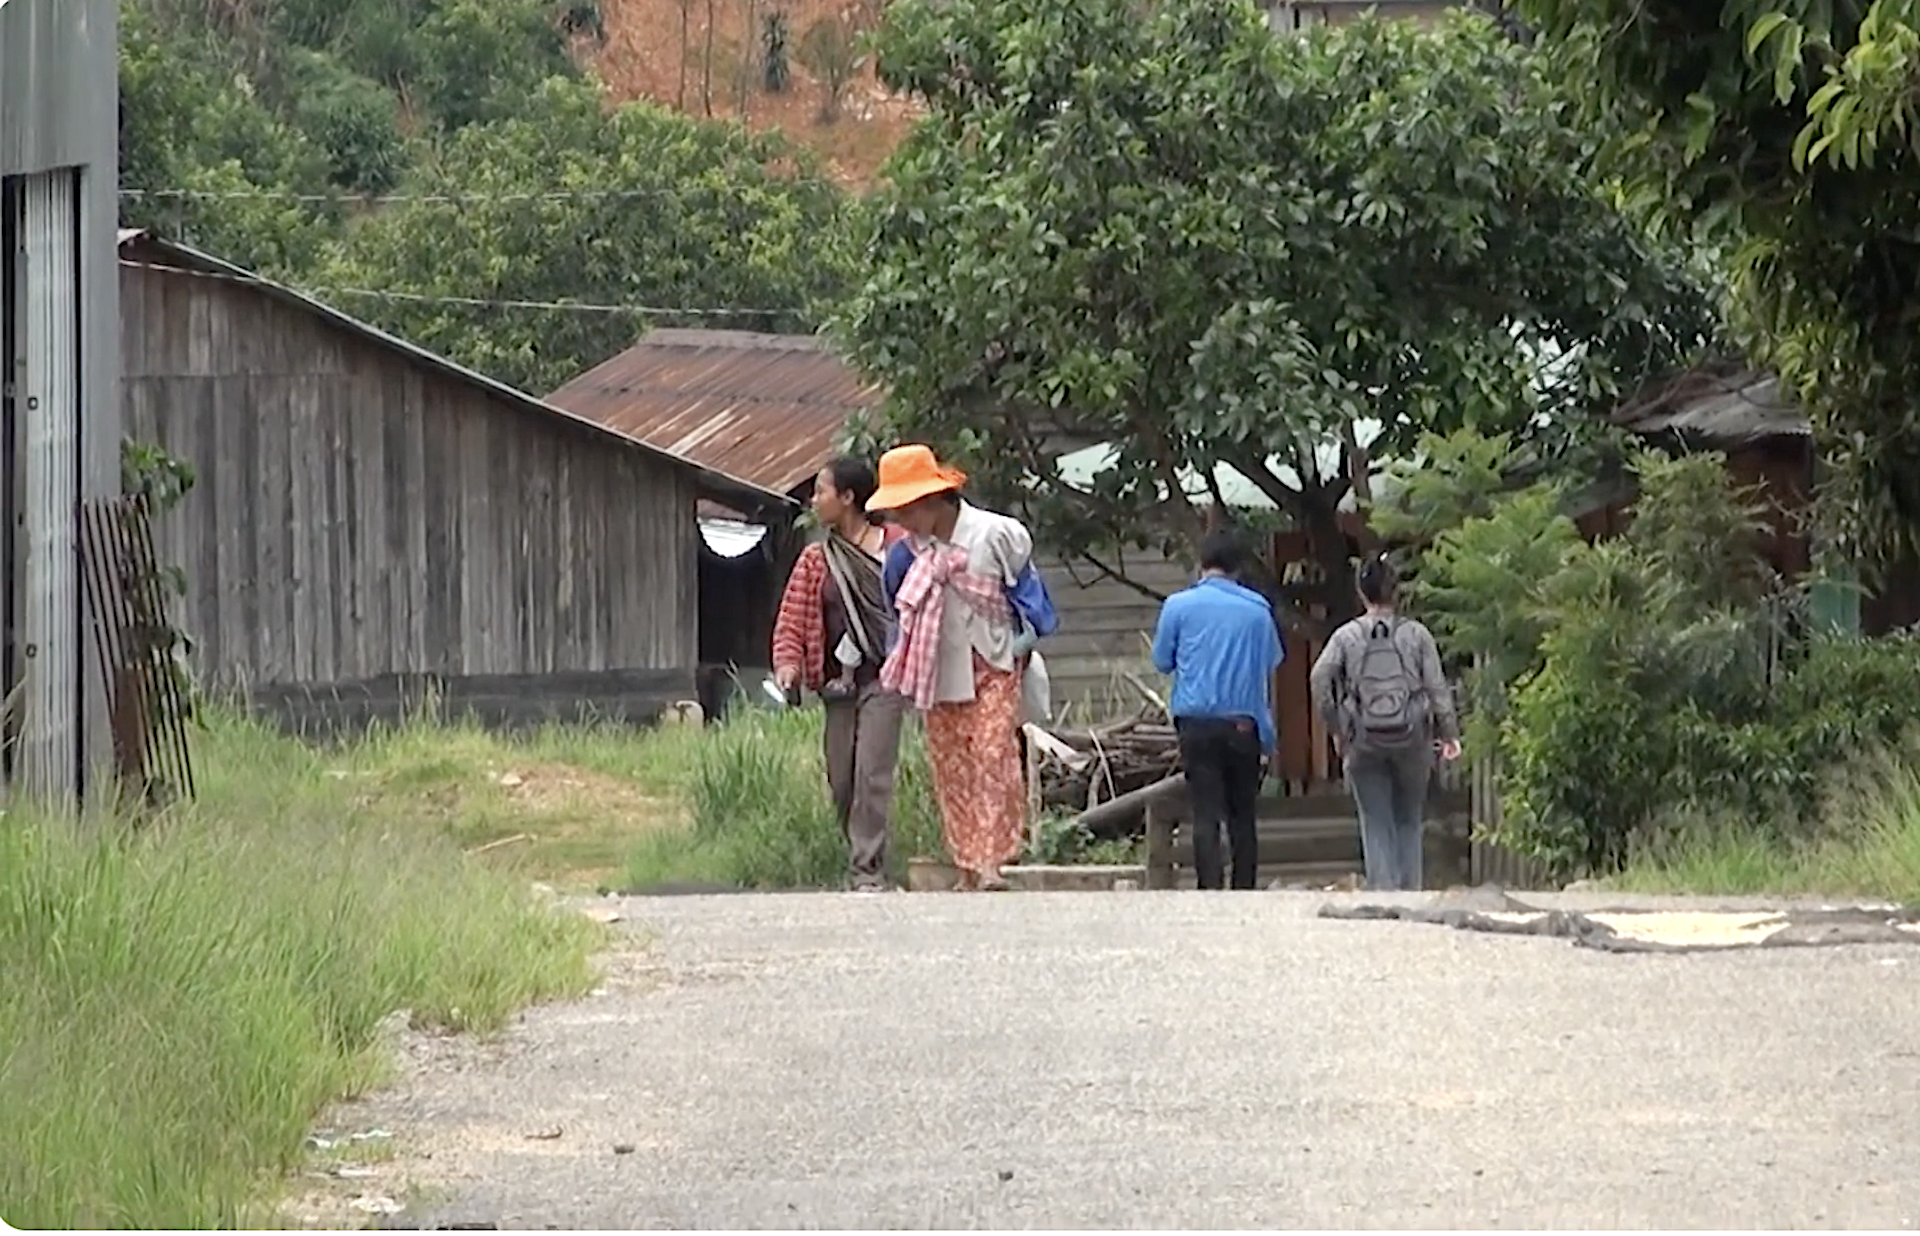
point(1180, 234)
point(576, 202)
point(1784, 131)
point(199, 148)
point(353, 118)
point(480, 60)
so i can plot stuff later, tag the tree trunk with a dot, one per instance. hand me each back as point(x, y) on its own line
point(743, 85)
point(706, 63)
point(1329, 595)
point(686, 49)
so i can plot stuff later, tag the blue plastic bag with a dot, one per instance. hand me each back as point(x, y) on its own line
point(1032, 602)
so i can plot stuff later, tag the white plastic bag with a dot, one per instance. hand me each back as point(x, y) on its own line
point(1036, 691)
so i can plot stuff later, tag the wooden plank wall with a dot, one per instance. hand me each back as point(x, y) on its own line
point(498, 701)
point(1105, 629)
point(360, 514)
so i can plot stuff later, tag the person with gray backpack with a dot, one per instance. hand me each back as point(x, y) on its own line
point(1379, 686)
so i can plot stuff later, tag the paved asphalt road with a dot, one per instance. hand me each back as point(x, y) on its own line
point(1173, 1060)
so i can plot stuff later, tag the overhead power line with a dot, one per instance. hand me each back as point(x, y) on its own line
point(478, 302)
point(388, 199)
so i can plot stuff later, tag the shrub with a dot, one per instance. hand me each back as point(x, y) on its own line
point(1651, 688)
point(1866, 843)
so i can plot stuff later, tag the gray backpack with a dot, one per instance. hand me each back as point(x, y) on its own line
point(1388, 701)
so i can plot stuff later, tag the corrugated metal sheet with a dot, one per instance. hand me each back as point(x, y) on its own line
point(58, 112)
point(769, 409)
point(1721, 405)
point(57, 75)
point(48, 406)
point(711, 481)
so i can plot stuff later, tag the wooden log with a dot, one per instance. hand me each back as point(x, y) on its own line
point(1121, 812)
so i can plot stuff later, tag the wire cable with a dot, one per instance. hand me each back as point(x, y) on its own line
point(394, 199)
point(477, 302)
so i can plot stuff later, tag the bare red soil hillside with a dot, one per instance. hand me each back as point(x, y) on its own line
point(707, 58)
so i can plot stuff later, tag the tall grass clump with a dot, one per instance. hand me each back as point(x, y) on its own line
point(178, 1003)
point(1865, 842)
point(760, 817)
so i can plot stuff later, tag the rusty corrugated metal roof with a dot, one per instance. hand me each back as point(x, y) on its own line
point(1724, 403)
point(768, 409)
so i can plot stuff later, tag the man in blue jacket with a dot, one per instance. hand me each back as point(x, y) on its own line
point(1220, 643)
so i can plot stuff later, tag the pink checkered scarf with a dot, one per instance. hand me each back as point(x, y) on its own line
point(912, 668)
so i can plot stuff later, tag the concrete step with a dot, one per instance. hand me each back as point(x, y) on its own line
point(1086, 877)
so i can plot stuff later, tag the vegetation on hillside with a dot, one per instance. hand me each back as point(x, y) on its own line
point(685, 222)
point(423, 164)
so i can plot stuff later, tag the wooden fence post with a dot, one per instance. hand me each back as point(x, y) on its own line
point(1159, 846)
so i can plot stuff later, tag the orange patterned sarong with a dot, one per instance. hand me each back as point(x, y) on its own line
point(975, 756)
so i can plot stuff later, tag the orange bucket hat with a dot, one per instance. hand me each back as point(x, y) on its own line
point(910, 473)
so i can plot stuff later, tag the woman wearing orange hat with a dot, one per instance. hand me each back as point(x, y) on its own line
point(959, 653)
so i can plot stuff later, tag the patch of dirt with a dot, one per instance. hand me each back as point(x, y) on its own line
point(384, 1158)
point(661, 50)
point(552, 789)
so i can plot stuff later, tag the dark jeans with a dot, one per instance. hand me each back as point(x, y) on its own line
point(1390, 791)
point(1222, 760)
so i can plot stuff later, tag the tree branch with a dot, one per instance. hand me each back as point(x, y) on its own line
point(1118, 577)
point(1256, 470)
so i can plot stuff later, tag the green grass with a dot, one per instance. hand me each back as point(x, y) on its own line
point(565, 802)
point(758, 816)
point(177, 1005)
point(1866, 844)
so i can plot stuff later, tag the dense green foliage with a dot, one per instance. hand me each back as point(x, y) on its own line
point(1180, 234)
point(256, 130)
point(631, 206)
point(1666, 671)
point(1783, 132)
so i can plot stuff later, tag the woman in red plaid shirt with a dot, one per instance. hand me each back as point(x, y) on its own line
point(831, 638)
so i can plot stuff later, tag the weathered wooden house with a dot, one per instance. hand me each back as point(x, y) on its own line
point(767, 408)
point(1767, 438)
point(373, 522)
point(773, 409)
point(59, 399)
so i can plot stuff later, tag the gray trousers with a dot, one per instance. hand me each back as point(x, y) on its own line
point(1390, 792)
point(863, 745)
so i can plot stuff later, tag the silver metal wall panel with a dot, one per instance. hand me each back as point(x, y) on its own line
point(47, 428)
point(59, 96)
point(53, 108)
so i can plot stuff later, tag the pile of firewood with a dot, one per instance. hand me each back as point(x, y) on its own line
point(1082, 768)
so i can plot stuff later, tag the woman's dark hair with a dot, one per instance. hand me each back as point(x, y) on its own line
point(1378, 580)
point(854, 475)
